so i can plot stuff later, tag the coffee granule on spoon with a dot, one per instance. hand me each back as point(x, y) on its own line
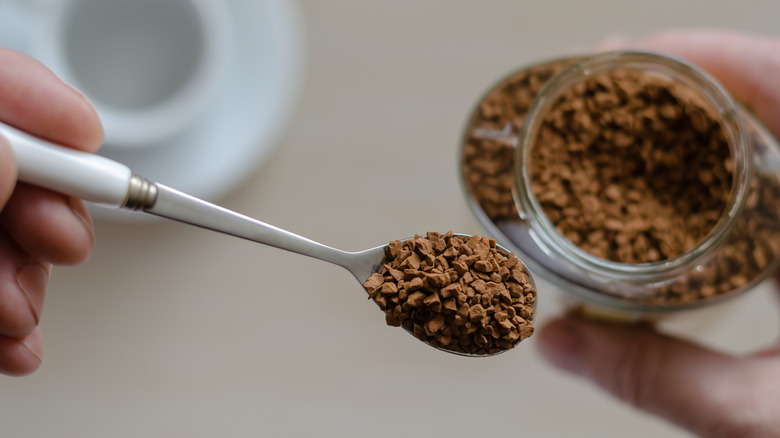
point(454, 292)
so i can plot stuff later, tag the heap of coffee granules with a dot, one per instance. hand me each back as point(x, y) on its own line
point(631, 167)
point(750, 252)
point(488, 161)
point(454, 292)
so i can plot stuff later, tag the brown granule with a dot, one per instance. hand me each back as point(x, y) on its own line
point(631, 167)
point(488, 160)
point(748, 254)
point(455, 292)
point(751, 250)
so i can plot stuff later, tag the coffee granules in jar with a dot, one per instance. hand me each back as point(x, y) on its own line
point(459, 293)
point(631, 167)
point(734, 262)
point(488, 154)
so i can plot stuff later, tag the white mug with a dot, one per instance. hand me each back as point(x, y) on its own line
point(151, 67)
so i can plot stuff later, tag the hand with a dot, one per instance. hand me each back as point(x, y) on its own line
point(706, 392)
point(38, 228)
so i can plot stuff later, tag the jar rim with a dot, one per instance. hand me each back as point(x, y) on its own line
point(552, 240)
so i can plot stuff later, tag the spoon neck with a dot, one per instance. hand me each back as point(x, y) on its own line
point(181, 207)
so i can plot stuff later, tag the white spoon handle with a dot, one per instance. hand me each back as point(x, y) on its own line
point(87, 176)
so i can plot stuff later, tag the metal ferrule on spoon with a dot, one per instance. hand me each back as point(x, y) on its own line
point(90, 177)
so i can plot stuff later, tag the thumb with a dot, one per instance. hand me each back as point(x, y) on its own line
point(679, 381)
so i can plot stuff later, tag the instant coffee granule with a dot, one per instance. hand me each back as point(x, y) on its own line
point(455, 292)
point(631, 167)
point(751, 249)
point(488, 160)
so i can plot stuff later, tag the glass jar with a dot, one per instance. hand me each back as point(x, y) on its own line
point(740, 251)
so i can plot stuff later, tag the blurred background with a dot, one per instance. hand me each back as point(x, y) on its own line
point(172, 331)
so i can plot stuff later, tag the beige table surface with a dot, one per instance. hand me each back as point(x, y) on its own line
point(171, 331)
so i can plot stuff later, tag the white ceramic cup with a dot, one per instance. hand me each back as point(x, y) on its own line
point(151, 67)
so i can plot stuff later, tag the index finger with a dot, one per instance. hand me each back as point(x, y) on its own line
point(35, 100)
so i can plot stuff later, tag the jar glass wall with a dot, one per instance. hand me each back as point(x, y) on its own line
point(740, 251)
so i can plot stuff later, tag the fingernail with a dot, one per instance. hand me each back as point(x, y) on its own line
point(32, 278)
point(78, 209)
point(34, 344)
point(561, 343)
point(88, 105)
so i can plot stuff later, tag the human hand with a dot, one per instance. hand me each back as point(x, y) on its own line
point(707, 392)
point(38, 228)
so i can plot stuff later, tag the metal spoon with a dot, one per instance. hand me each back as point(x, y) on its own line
point(100, 180)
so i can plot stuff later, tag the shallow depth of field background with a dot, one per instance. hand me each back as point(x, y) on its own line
point(171, 331)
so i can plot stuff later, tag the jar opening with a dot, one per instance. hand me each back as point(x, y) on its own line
point(655, 65)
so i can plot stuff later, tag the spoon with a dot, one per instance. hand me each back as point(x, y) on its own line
point(100, 180)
